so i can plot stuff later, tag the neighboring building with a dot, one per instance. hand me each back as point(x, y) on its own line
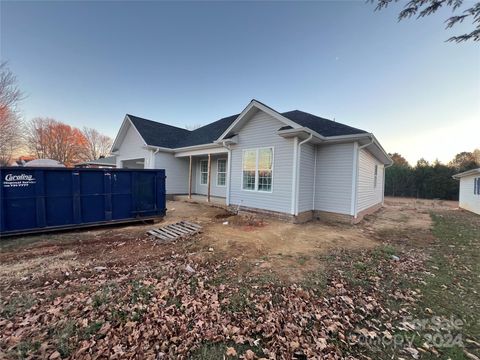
point(108, 162)
point(291, 163)
point(44, 163)
point(469, 198)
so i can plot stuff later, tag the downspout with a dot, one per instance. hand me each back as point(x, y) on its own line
point(355, 196)
point(229, 162)
point(314, 178)
point(152, 165)
point(299, 152)
point(294, 172)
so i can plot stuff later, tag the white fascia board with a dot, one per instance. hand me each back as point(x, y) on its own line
point(120, 134)
point(211, 150)
point(201, 146)
point(263, 108)
point(296, 132)
point(158, 148)
point(466, 173)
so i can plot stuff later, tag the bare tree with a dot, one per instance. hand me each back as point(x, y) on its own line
point(422, 8)
point(10, 123)
point(97, 144)
point(48, 138)
point(193, 127)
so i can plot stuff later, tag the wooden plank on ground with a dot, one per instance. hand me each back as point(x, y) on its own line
point(196, 226)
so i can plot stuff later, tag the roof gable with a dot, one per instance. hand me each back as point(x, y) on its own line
point(167, 136)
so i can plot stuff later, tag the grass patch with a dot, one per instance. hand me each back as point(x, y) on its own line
point(449, 308)
point(17, 305)
point(64, 337)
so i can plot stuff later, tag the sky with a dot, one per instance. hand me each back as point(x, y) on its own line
point(191, 63)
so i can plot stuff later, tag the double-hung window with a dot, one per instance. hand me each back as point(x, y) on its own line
point(375, 176)
point(203, 172)
point(221, 172)
point(476, 186)
point(257, 169)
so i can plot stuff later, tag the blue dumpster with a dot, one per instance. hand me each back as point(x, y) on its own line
point(41, 199)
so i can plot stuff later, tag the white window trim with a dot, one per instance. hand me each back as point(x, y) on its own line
point(223, 172)
point(256, 169)
point(201, 172)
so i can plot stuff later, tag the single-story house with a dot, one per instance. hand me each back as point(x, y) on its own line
point(105, 162)
point(291, 163)
point(469, 197)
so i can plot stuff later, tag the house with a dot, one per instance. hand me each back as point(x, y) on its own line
point(108, 162)
point(469, 198)
point(293, 163)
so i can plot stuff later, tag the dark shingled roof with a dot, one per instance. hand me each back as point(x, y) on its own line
point(162, 135)
point(208, 133)
point(322, 126)
point(158, 134)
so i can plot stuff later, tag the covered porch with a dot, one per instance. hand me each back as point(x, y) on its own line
point(208, 175)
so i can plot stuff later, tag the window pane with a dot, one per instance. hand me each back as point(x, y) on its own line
point(265, 159)
point(249, 180)
point(204, 166)
point(265, 180)
point(222, 165)
point(221, 179)
point(203, 172)
point(249, 160)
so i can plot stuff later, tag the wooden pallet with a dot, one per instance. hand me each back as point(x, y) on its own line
point(176, 231)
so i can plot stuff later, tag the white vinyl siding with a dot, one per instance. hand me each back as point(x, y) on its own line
point(132, 147)
point(333, 190)
point(468, 200)
point(369, 185)
point(306, 178)
point(176, 170)
point(260, 132)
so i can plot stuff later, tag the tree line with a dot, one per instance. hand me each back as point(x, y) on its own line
point(42, 137)
point(428, 180)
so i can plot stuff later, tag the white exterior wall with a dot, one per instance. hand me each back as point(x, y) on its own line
point(176, 170)
point(334, 171)
point(467, 199)
point(306, 177)
point(215, 190)
point(261, 131)
point(367, 194)
point(132, 147)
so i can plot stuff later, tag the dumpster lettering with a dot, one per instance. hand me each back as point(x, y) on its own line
point(21, 180)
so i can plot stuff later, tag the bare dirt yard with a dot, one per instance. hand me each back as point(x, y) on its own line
point(248, 287)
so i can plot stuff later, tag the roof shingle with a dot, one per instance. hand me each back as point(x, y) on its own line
point(163, 135)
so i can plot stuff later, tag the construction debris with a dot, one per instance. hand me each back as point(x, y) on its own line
point(179, 230)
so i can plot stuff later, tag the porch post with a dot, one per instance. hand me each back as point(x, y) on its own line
point(190, 179)
point(209, 177)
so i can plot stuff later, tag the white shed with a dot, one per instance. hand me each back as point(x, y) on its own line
point(469, 198)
